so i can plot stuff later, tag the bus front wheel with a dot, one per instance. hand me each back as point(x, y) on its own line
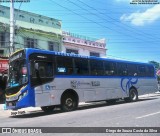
point(69, 103)
point(48, 108)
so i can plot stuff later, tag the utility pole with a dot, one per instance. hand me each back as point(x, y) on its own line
point(12, 25)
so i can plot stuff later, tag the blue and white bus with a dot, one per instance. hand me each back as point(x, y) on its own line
point(41, 78)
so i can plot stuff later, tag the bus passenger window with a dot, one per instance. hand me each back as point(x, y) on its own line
point(132, 70)
point(64, 65)
point(77, 70)
point(81, 66)
point(150, 71)
point(41, 71)
point(49, 69)
point(109, 68)
point(70, 71)
point(141, 70)
point(96, 67)
point(122, 69)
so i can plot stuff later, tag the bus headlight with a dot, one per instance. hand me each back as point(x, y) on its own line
point(22, 95)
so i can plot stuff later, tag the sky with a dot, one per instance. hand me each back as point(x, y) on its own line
point(131, 30)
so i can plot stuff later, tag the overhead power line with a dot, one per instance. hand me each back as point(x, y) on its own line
point(103, 26)
point(125, 26)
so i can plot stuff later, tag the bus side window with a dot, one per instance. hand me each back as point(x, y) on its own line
point(122, 69)
point(42, 71)
point(110, 68)
point(81, 66)
point(49, 69)
point(150, 71)
point(132, 70)
point(64, 65)
point(141, 70)
point(70, 71)
point(96, 67)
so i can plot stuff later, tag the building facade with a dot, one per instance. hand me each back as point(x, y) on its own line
point(37, 31)
point(31, 31)
point(77, 44)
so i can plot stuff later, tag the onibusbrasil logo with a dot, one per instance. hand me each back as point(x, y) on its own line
point(144, 2)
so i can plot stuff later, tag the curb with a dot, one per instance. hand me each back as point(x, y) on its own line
point(149, 95)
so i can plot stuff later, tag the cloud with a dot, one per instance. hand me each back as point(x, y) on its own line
point(142, 18)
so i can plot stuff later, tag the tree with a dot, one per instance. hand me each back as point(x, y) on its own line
point(156, 64)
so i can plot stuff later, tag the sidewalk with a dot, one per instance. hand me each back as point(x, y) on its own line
point(149, 95)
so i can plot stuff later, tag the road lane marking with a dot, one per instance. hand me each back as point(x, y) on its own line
point(148, 115)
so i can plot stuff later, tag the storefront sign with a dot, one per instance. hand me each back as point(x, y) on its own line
point(3, 65)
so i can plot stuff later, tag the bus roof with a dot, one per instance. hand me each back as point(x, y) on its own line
point(36, 50)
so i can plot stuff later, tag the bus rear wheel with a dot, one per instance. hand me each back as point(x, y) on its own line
point(133, 95)
point(48, 108)
point(69, 103)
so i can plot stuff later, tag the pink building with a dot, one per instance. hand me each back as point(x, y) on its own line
point(77, 44)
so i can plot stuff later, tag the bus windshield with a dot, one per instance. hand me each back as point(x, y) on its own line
point(17, 73)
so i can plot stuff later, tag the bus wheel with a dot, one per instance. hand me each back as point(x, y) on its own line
point(69, 103)
point(133, 95)
point(48, 108)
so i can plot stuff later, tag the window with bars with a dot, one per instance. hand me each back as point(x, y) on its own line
point(53, 46)
point(94, 54)
point(30, 43)
point(72, 51)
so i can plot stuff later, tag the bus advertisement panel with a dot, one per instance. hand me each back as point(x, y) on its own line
point(46, 79)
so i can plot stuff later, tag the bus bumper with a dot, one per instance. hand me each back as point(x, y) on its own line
point(18, 102)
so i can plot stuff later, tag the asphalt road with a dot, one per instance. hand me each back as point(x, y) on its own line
point(143, 113)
